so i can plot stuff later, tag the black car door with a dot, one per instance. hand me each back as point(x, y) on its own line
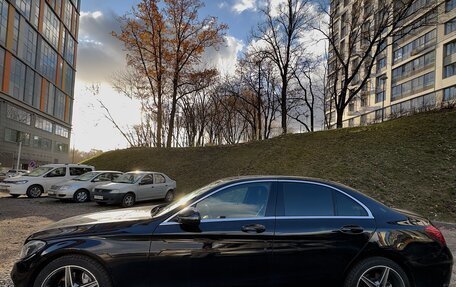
point(231, 246)
point(319, 231)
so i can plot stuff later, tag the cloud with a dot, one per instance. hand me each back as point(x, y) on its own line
point(225, 58)
point(99, 53)
point(243, 5)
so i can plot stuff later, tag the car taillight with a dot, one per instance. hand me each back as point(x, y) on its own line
point(434, 233)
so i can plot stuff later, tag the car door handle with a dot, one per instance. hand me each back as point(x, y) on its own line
point(253, 228)
point(351, 229)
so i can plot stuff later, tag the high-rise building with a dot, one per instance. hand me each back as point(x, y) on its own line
point(38, 44)
point(415, 72)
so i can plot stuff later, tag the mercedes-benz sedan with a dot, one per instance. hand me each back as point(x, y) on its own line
point(250, 231)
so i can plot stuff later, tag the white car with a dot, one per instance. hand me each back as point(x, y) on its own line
point(14, 172)
point(135, 186)
point(79, 189)
point(42, 178)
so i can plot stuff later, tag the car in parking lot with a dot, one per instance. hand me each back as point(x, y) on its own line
point(135, 186)
point(247, 231)
point(35, 183)
point(16, 172)
point(80, 188)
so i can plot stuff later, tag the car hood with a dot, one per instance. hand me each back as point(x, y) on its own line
point(106, 221)
point(115, 185)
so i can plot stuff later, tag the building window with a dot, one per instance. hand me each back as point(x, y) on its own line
point(449, 94)
point(35, 13)
point(378, 115)
point(364, 101)
point(25, 7)
point(2, 65)
point(43, 124)
point(18, 115)
point(351, 107)
point(449, 70)
point(42, 143)
point(414, 66)
point(450, 26)
point(16, 29)
point(51, 26)
point(67, 14)
point(50, 99)
point(381, 63)
point(450, 48)
point(29, 86)
point(69, 80)
point(17, 79)
point(29, 40)
point(3, 21)
point(15, 136)
point(61, 147)
point(61, 131)
point(37, 95)
point(69, 49)
point(48, 61)
point(412, 86)
point(379, 97)
point(59, 109)
point(450, 5)
point(405, 51)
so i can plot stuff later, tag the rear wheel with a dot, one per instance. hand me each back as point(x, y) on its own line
point(35, 191)
point(73, 270)
point(377, 272)
point(169, 196)
point(128, 200)
point(81, 196)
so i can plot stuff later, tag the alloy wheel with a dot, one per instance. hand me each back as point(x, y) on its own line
point(169, 196)
point(35, 191)
point(70, 276)
point(380, 276)
point(129, 200)
point(81, 196)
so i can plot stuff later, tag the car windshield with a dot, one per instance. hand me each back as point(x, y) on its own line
point(87, 176)
point(39, 171)
point(128, 178)
point(185, 199)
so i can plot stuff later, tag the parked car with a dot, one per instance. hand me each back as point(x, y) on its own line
point(15, 172)
point(250, 231)
point(3, 176)
point(135, 186)
point(42, 178)
point(79, 189)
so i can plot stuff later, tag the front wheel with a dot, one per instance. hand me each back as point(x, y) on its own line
point(34, 191)
point(169, 196)
point(73, 270)
point(377, 271)
point(128, 200)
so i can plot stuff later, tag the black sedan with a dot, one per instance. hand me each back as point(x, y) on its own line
point(250, 231)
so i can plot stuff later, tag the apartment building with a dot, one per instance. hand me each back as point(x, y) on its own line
point(415, 72)
point(38, 44)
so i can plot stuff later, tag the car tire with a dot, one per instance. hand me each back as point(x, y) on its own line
point(81, 196)
point(169, 197)
point(128, 200)
point(35, 191)
point(15, 195)
point(372, 270)
point(83, 269)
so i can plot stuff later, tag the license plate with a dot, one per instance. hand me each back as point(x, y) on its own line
point(98, 197)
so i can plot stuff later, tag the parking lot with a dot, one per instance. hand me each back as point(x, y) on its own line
point(21, 217)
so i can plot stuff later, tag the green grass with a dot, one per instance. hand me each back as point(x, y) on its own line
point(408, 163)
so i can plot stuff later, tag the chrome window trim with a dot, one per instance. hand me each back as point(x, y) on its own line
point(368, 216)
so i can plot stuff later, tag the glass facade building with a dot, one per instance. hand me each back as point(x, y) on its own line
point(38, 49)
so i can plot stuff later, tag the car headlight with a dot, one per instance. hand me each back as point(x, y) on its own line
point(31, 248)
point(115, 191)
point(64, 187)
point(21, 182)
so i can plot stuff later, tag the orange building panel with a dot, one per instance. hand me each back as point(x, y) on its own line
point(44, 88)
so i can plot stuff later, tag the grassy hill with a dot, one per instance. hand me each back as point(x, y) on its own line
point(408, 163)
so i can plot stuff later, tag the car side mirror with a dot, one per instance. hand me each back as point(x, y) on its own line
point(189, 216)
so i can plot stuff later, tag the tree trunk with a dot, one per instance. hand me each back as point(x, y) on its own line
point(284, 106)
point(172, 116)
point(339, 118)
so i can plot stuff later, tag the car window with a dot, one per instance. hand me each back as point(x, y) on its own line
point(304, 199)
point(75, 171)
point(115, 175)
point(346, 206)
point(158, 178)
point(241, 201)
point(147, 179)
point(58, 172)
point(104, 177)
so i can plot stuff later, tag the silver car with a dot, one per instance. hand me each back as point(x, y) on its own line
point(79, 189)
point(136, 186)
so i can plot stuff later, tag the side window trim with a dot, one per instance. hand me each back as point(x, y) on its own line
point(368, 216)
point(273, 192)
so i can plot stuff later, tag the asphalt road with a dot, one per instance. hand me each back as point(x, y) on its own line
point(22, 216)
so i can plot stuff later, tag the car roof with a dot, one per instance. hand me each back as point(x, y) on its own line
point(102, 171)
point(275, 177)
point(66, 164)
